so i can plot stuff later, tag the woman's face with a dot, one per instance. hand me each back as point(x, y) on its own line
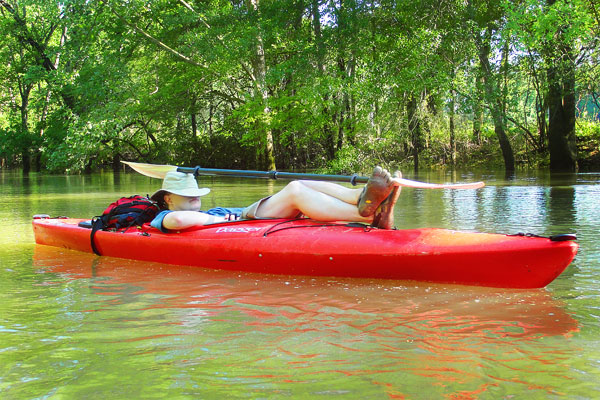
point(182, 203)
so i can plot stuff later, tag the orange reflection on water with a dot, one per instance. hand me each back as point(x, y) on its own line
point(459, 341)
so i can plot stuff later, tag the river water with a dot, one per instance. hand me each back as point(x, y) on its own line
point(73, 325)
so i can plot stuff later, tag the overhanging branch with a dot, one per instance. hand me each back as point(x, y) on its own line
point(152, 39)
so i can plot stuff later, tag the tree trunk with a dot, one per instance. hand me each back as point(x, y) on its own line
point(414, 127)
point(267, 156)
point(478, 112)
point(25, 90)
point(211, 111)
point(26, 158)
point(194, 123)
point(37, 161)
point(316, 22)
point(328, 118)
point(494, 100)
point(541, 108)
point(452, 129)
point(562, 104)
point(374, 114)
point(482, 36)
point(431, 112)
point(346, 66)
point(116, 163)
point(477, 123)
point(350, 107)
point(561, 127)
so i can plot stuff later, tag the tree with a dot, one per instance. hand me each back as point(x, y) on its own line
point(294, 83)
point(485, 26)
point(30, 65)
point(267, 159)
point(561, 90)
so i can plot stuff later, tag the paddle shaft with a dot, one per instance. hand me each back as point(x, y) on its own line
point(353, 179)
point(160, 171)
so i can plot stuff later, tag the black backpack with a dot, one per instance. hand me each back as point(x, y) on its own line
point(123, 214)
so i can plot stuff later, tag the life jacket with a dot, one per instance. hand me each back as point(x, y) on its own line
point(123, 214)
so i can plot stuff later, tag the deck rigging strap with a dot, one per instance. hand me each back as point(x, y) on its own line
point(272, 229)
point(555, 238)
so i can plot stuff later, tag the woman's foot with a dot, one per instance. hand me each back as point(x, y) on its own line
point(384, 215)
point(378, 188)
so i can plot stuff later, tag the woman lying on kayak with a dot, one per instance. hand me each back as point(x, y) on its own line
point(179, 198)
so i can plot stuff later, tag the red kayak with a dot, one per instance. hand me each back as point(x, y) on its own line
point(311, 248)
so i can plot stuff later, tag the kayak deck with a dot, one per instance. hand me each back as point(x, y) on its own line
point(312, 248)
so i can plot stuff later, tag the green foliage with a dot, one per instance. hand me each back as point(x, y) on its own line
point(588, 129)
point(165, 81)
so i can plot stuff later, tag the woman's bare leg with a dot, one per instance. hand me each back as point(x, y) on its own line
point(345, 194)
point(380, 181)
point(323, 204)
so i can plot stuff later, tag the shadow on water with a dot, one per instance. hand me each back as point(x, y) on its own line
point(561, 213)
point(560, 206)
point(26, 185)
point(117, 178)
point(510, 176)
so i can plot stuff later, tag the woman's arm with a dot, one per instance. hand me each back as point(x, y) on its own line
point(186, 219)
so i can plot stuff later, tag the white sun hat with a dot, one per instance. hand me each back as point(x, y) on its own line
point(181, 184)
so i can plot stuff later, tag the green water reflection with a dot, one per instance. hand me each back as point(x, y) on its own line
point(73, 325)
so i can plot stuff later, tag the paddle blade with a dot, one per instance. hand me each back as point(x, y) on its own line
point(151, 170)
point(423, 185)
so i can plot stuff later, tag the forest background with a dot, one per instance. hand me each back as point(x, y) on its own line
point(337, 85)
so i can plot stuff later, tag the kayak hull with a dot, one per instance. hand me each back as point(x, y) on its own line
point(310, 248)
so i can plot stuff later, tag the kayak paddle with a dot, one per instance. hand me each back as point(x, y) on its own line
point(159, 171)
